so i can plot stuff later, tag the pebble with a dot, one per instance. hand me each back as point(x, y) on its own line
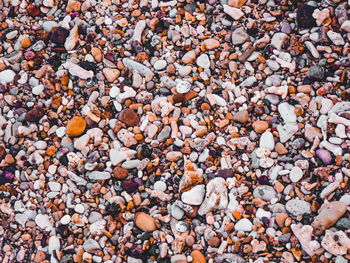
point(328, 215)
point(145, 222)
point(7, 76)
point(91, 246)
point(295, 174)
point(194, 196)
point(75, 127)
point(267, 141)
point(265, 192)
point(160, 64)
point(298, 207)
point(183, 87)
point(65, 220)
point(239, 36)
point(244, 225)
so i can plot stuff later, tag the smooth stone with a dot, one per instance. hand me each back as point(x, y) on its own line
point(203, 61)
point(65, 219)
point(97, 175)
point(244, 224)
point(79, 208)
point(183, 87)
point(287, 112)
point(298, 207)
point(267, 141)
point(76, 126)
point(194, 196)
point(91, 245)
point(117, 157)
point(278, 40)
point(145, 222)
point(160, 64)
point(295, 174)
point(54, 244)
point(133, 65)
point(239, 36)
point(43, 221)
point(316, 72)
point(54, 186)
point(159, 186)
point(265, 192)
point(7, 76)
point(233, 12)
point(37, 90)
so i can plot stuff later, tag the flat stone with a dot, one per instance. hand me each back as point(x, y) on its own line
point(130, 117)
point(278, 40)
point(120, 173)
point(260, 126)
point(295, 174)
point(265, 192)
point(216, 196)
point(244, 224)
point(76, 126)
point(111, 74)
point(203, 61)
point(241, 116)
point(233, 12)
point(189, 57)
point(7, 76)
point(91, 246)
point(194, 196)
point(145, 222)
point(160, 64)
point(298, 207)
point(328, 215)
point(97, 175)
point(267, 141)
point(211, 43)
point(239, 36)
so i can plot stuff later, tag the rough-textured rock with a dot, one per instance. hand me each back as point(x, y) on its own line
point(327, 216)
point(216, 196)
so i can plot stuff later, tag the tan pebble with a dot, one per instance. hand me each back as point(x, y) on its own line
point(97, 54)
point(281, 149)
point(236, 3)
point(111, 74)
point(146, 222)
point(241, 116)
point(211, 43)
point(39, 257)
point(73, 6)
point(198, 257)
point(76, 126)
point(260, 126)
point(281, 218)
point(279, 187)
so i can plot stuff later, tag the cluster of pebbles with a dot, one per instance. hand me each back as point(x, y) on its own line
point(174, 131)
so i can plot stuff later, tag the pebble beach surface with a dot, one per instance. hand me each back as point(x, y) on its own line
point(174, 131)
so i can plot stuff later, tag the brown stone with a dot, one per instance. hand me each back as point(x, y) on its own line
point(146, 222)
point(76, 126)
point(35, 114)
point(241, 116)
point(281, 149)
point(260, 126)
point(198, 257)
point(120, 173)
point(39, 257)
point(281, 218)
point(56, 101)
point(214, 242)
point(328, 215)
point(129, 117)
